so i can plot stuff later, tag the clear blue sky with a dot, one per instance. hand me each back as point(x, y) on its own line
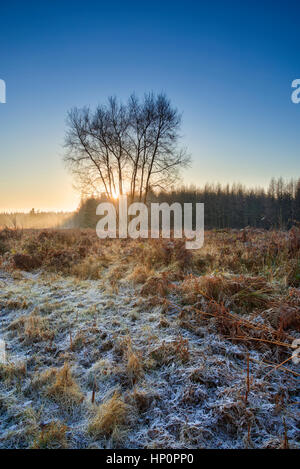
point(227, 65)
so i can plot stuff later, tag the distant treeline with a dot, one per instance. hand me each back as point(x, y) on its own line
point(225, 206)
point(36, 219)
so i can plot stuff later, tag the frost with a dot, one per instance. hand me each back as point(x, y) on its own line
point(176, 403)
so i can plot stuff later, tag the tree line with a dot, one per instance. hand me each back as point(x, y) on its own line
point(133, 148)
point(226, 206)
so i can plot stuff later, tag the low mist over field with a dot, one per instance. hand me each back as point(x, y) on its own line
point(36, 220)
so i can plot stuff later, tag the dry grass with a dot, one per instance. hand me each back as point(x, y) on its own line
point(178, 349)
point(51, 436)
point(88, 268)
point(36, 328)
point(176, 332)
point(141, 399)
point(134, 363)
point(241, 291)
point(110, 416)
point(140, 274)
point(61, 386)
point(274, 254)
point(157, 285)
point(32, 328)
point(13, 371)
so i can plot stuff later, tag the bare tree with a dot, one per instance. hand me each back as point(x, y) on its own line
point(130, 148)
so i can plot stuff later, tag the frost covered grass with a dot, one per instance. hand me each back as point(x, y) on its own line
point(141, 344)
point(110, 417)
point(60, 385)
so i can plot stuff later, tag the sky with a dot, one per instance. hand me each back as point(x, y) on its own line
point(226, 65)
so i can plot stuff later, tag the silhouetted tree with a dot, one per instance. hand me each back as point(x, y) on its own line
point(130, 148)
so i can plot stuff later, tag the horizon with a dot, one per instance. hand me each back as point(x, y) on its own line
point(227, 67)
point(192, 187)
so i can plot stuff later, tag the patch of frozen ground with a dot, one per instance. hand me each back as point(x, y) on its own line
point(196, 404)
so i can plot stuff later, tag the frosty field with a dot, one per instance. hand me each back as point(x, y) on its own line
point(141, 344)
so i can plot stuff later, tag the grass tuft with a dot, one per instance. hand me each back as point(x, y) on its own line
point(110, 415)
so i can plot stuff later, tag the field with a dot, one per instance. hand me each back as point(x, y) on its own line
point(143, 344)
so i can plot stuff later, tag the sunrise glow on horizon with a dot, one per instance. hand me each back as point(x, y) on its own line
point(227, 68)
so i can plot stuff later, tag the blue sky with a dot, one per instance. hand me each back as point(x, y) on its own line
point(227, 65)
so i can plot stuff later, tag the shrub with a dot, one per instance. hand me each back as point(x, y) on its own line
point(26, 262)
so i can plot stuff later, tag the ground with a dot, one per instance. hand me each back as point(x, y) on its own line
point(141, 344)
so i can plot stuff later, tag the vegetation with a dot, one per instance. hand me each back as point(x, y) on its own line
point(225, 206)
point(35, 219)
point(140, 343)
point(125, 148)
point(234, 206)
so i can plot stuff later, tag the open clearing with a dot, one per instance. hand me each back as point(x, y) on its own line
point(145, 355)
